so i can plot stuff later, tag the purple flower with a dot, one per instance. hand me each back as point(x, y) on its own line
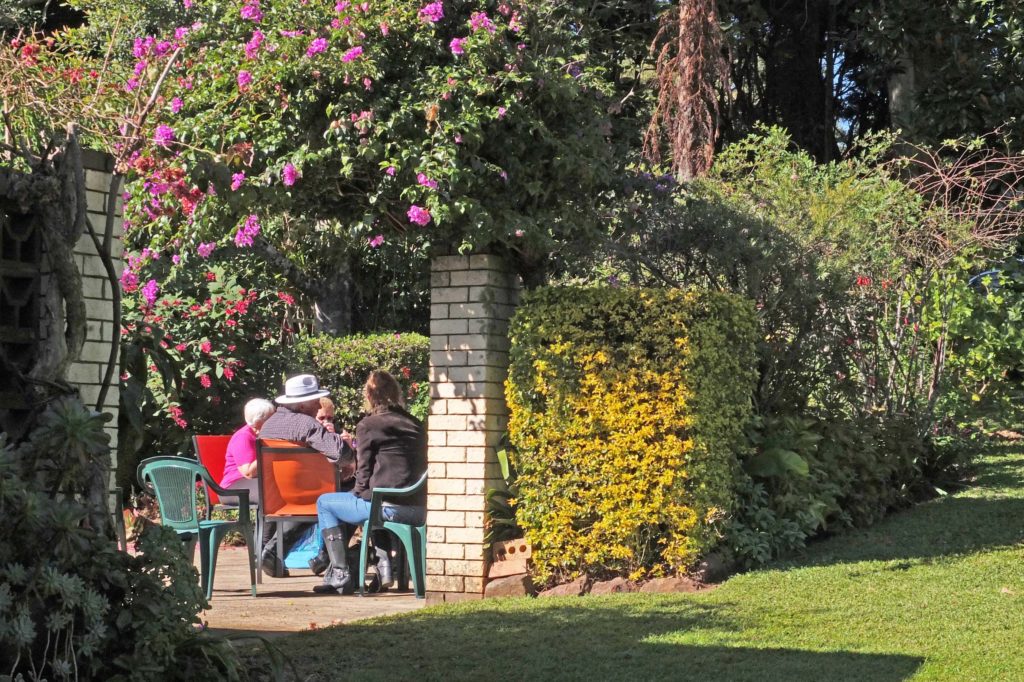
point(204, 250)
point(342, 6)
point(423, 180)
point(150, 291)
point(252, 47)
point(176, 105)
point(131, 84)
point(390, 170)
point(316, 47)
point(352, 53)
point(289, 174)
point(501, 112)
point(418, 215)
point(175, 259)
point(457, 45)
point(163, 135)
point(237, 180)
point(432, 12)
point(251, 11)
point(129, 281)
point(244, 79)
point(376, 241)
point(480, 20)
point(250, 229)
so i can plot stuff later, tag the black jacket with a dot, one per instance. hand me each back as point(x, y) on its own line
point(391, 452)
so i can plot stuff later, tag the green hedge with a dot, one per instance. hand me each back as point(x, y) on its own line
point(343, 363)
point(627, 409)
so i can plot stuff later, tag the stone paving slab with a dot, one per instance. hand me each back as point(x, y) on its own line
point(284, 605)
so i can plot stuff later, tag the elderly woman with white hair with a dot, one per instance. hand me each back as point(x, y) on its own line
point(240, 458)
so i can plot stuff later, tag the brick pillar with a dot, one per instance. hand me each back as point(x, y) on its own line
point(472, 299)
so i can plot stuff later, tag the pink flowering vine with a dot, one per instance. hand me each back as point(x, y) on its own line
point(205, 249)
point(251, 11)
point(376, 241)
point(391, 170)
point(457, 45)
point(316, 47)
point(352, 53)
point(418, 215)
point(150, 292)
point(245, 234)
point(163, 135)
point(432, 13)
point(252, 47)
point(205, 381)
point(176, 105)
point(480, 20)
point(129, 281)
point(424, 181)
point(237, 180)
point(289, 174)
point(244, 79)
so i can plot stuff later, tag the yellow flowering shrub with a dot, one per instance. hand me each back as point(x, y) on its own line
point(626, 409)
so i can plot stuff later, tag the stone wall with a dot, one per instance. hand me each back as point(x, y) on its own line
point(472, 299)
point(88, 372)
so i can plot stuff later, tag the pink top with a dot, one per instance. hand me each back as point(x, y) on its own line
point(241, 450)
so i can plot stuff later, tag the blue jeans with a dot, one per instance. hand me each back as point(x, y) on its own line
point(334, 508)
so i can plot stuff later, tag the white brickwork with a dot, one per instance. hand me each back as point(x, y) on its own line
point(472, 299)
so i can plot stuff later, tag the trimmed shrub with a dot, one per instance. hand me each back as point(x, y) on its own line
point(627, 408)
point(343, 364)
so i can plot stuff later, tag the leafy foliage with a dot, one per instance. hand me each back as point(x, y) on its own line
point(344, 364)
point(627, 407)
point(72, 605)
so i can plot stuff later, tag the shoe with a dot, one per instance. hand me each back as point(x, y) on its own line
point(337, 581)
point(384, 569)
point(272, 566)
point(320, 562)
point(338, 578)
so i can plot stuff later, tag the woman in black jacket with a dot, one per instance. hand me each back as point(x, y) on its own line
point(391, 452)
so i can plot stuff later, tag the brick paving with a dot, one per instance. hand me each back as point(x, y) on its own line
point(284, 605)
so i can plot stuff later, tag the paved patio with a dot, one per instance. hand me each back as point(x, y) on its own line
point(284, 605)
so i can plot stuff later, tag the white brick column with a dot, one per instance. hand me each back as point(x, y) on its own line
point(472, 299)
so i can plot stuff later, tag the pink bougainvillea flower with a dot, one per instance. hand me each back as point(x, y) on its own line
point(520, 233)
point(352, 53)
point(289, 174)
point(229, 373)
point(176, 105)
point(502, 111)
point(384, 28)
point(316, 47)
point(250, 229)
point(206, 346)
point(376, 241)
point(480, 20)
point(367, 84)
point(418, 215)
point(187, 4)
point(252, 47)
point(175, 259)
point(244, 79)
point(150, 292)
point(205, 381)
point(237, 180)
point(251, 11)
point(432, 12)
point(163, 135)
point(342, 6)
point(457, 45)
point(205, 249)
point(129, 281)
point(180, 347)
point(390, 170)
point(458, 138)
point(423, 180)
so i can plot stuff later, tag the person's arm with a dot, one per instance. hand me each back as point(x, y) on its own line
point(248, 470)
point(365, 456)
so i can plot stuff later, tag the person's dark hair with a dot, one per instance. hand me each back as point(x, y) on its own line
point(383, 389)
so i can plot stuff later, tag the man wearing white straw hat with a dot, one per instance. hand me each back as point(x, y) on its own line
point(295, 420)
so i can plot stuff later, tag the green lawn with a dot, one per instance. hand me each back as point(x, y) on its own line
point(934, 593)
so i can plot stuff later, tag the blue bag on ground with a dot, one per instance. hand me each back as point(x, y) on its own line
point(304, 548)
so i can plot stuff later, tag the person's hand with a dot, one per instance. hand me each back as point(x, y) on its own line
point(247, 470)
point(347, 437)
point(329, 426)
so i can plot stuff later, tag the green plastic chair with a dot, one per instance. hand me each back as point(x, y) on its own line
point(173, 481)
point(414, 538)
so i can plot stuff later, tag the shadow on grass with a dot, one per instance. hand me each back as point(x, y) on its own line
point(986, 516)
point(597, 639)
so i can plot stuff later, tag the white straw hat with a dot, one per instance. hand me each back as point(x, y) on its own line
point(301, 388)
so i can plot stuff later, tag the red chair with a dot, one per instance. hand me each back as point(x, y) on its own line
point(210, 450)
point(291, 477)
